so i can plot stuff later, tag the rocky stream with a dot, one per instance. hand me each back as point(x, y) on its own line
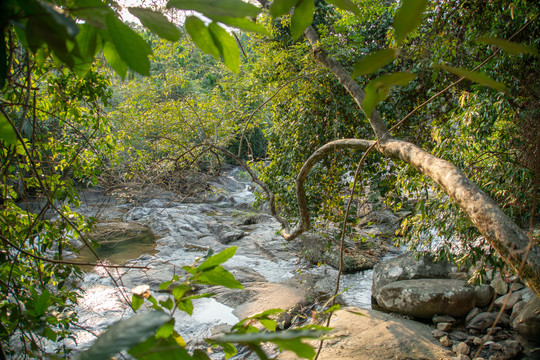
point(297, 277)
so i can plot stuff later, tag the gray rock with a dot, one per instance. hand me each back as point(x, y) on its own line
point(426, 297)
point(517, 309)
point(510, 299)
point(511, 349)
point(516, 286)
point(527, 322)
point(444, 326)
point(472, 314)
point(407, 267)
point(445, 341)
point(443, 319)
point(484, 294)
point(462, 349)
point(458, 335)
point(495, 346)
point(526, 294)
point(484, 320)
point(230, 236)
point(500, 285)
point(437, 334)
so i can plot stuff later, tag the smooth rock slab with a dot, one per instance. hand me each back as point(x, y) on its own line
point(424, 298)
point(376, 336)
point(407, 267)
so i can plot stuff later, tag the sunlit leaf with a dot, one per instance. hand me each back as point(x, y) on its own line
point(219, 276)
point(281, 7)
point(377, 89)
point(374, 61)
point(136, 301)
point(408, 17)
point(269, 324)
point(3, 66)
point(302, 17)
point(227, 47)
point(303, 351)
point(156, 22)
point(201, 36)
point(475, 76)
point(112, 57)
point(347, 5)
point(131, 47)
point(159, 349)
point(508, 46)
point(7, 133)
point(218, 258)
point(124, 334)
point(241, 23)
point(185, 306)
point(232, 8)
point(165, 330)
point(200, 355)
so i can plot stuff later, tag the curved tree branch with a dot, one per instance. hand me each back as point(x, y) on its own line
point(499, 230)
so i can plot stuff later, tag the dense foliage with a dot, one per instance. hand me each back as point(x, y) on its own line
point(77, 111)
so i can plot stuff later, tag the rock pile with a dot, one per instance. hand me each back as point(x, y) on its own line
point(495, 321)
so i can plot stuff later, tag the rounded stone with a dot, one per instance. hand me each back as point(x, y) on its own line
point(484, 294)
point(423, 298)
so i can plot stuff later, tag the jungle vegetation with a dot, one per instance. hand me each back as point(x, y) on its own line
point(431, 107)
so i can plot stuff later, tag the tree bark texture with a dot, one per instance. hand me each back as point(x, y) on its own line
point(498, 229)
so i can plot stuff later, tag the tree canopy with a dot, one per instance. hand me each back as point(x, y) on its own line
point(437, 102)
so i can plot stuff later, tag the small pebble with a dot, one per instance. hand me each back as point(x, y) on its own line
point(444, 326)
point(462, 349)
point(495, 346)
point(445, 341)
point(437, 334)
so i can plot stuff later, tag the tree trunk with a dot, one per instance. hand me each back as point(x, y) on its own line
point(499, 230)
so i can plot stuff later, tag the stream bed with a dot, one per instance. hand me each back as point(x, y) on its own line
point(268, 267)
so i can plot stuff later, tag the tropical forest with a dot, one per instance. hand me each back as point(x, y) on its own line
point(269, 179)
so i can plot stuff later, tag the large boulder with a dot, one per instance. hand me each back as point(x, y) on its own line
point(374, 335)
point(424, 298)
point(407, 267)
point(527, 322)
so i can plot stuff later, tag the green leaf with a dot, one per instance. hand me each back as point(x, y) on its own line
point(508, 46)
point(156, 22)
point(136, 301)
point(68, 25)
point(133, 50)
point(124, 335)
point(179, 291)
point(377, 90)
point(408, 17)
point(201, 36)
point(346, 5)
point(3, 66)
point(186, 306)
point(303, 351)
point(7, 133)
point(167, 304)
point(219, 276)
point(112, 57)
point(269, 324)
point(227, 47)
point(165, 330)
point(302, 17)
point(374, 61)
point(241, 23)
point(475, 76)
point(200, 355)
point(165, 285)
point(258, 337)
point(232, 8)
point(42, 302)
point(281, 7)
point(160, 349)
point(217, 259)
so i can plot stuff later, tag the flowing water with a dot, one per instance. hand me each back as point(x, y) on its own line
point(183, 232)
